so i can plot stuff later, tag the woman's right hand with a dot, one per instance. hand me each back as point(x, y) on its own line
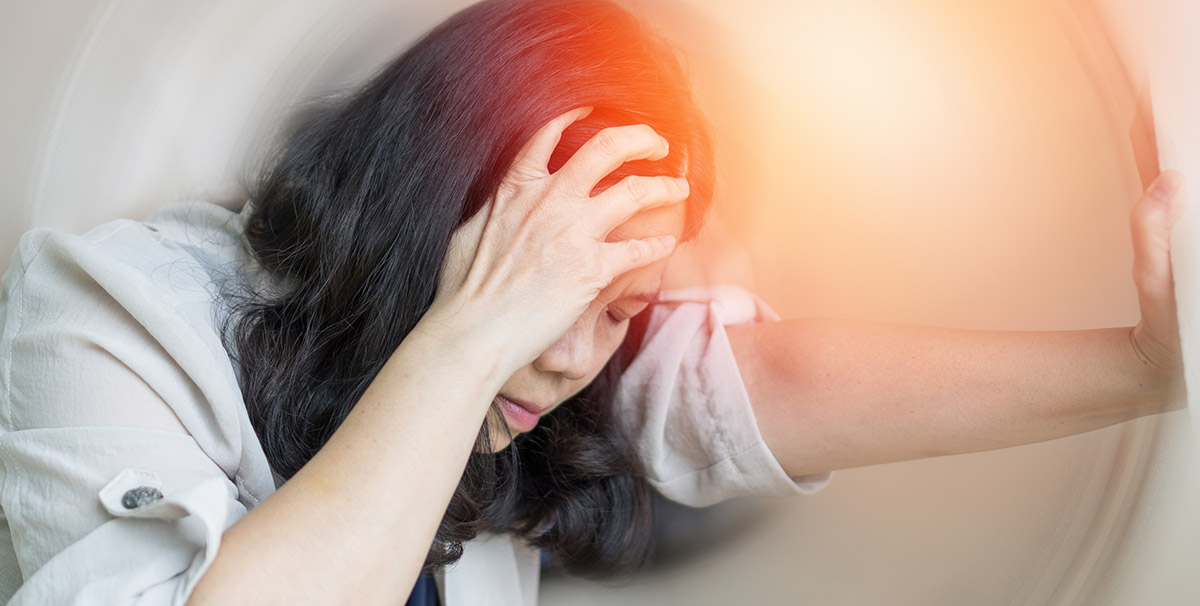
point(528, 264)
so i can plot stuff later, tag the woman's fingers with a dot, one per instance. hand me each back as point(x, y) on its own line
point(534, 158)
point(608, 150)
point(627, 255)
point(536, 256)
point(635, 194)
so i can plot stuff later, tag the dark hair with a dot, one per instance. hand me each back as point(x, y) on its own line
point(354, 212)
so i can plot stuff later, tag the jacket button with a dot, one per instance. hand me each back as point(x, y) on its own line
point(140, 496)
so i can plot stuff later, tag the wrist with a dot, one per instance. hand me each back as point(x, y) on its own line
point(468, 341)
point(1162, 382)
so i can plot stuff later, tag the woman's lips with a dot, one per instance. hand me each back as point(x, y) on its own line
point(522, 416)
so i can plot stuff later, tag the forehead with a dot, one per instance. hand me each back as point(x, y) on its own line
point(662, 221)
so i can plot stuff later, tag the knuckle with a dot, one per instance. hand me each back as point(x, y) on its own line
point(504, 192)
point(609, 141)
point(515, 186)
point(1144, 212)
point(637, 251)
point(682, 188)
point(644, 131)
point(1137, 214)
point(672, 189)
point(1153, 278)
point(636, 188)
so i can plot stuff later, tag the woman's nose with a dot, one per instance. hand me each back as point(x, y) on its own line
point(571, 355)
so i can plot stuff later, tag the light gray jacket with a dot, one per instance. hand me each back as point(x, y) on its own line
point(126, 449)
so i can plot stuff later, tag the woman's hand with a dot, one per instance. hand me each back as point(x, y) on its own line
point(525, 267)
point(1156, 339)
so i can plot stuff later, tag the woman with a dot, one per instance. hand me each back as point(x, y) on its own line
point(448, 241)
point(428, 249)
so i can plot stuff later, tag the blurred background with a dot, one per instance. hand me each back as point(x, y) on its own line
point(963, 164)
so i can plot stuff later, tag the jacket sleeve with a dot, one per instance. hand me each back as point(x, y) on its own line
point(683, 400)
point(109, 498)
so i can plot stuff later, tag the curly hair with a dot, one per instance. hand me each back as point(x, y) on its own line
point(354, 210)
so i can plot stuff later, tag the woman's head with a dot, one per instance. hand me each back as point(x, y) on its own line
point(579, 355)
point(355, 211)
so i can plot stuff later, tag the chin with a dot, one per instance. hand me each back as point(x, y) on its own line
point(499, 443)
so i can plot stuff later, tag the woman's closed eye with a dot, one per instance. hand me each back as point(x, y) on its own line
point(628, 307)
point(617, 316)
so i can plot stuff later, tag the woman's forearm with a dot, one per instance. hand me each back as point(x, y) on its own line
point(833, 394)
point(353, 526)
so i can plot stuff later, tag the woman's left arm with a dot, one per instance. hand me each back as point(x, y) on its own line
point(833, 394)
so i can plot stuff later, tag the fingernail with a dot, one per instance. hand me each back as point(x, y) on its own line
point(667, 241)
point(683, 184)
point(1164, 186)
